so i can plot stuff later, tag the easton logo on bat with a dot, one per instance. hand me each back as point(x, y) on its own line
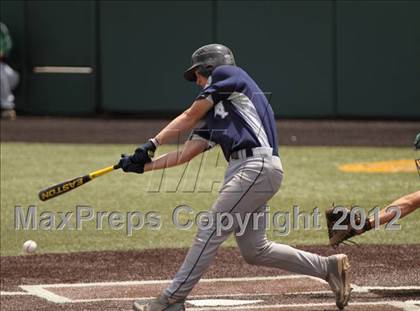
point(56, 190)
point(46, 194)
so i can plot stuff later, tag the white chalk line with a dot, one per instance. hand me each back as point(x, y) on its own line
point(406, 306)
point(158, 282)
point(194, 297)
point(42, 291)
point(410, 305)
point(366, 289)
point(5, 293)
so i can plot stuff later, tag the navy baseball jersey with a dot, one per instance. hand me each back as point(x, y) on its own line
point(241, 116)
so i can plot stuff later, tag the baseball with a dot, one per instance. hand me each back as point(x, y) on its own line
point(29, 246)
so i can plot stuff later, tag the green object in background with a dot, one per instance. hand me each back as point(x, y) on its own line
point(316, 59)
point(378, 59)
point(70, 43)
point(12, 13)
point(5, 41)
point(62, 33)
point(61, 94)
point(312, 179)
point(286, 47)
point(145, 48)
point(417, 142)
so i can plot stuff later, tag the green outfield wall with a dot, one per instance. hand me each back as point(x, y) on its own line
point(314, 59)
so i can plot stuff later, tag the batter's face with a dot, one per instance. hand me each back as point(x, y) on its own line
point(201, 80)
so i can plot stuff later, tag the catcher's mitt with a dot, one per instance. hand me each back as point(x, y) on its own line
point(338, 235)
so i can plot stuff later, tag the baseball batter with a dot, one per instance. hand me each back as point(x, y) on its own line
point(233, 112)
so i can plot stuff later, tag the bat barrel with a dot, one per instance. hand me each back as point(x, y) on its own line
point(56, 190)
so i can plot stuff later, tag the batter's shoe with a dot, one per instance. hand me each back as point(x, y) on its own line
point(159, 304)
point(338, 279)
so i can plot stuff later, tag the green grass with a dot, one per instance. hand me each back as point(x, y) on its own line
point(312, 179)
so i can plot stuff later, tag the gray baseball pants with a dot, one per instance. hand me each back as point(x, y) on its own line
point(9, 80)
point(247, 187)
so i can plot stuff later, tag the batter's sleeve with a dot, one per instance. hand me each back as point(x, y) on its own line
point(222, 85)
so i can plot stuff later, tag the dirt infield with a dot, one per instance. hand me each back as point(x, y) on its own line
point(383, 278)
point(290, 132)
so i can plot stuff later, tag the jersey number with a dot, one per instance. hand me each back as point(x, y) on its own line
point(219, 110)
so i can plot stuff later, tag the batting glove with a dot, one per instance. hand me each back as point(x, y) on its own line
point(145, 152)
point(128, 165)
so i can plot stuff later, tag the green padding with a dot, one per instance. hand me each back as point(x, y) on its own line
point(286, 46)
point(379, 60)
point(12, 14)
point(59, 94)
point(62, 33)
point(145, 48)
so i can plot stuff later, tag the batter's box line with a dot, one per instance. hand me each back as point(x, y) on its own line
point(367, 289)
point(410, 305)
point(154, 282)
point(6, 293)
point(42, 291)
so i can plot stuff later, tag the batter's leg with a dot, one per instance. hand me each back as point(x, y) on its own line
point(258, 250)
point(240, 194)
point(197, 261)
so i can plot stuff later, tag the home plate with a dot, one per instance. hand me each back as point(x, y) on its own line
point(221, 302)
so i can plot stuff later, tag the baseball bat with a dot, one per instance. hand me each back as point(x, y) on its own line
point(68, 185)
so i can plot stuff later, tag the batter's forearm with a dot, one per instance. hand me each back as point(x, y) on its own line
point(167, 160)
point(184, 122)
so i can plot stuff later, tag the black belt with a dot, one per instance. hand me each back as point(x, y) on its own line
point(235, 154)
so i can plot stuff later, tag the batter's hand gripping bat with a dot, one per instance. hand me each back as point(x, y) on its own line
point(66, 186)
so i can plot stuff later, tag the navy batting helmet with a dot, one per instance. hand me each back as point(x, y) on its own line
point(208, 57)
